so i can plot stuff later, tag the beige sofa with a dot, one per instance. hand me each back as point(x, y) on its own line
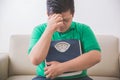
point(15, 65)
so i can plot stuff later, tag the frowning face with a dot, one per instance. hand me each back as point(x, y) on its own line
point(66, 18)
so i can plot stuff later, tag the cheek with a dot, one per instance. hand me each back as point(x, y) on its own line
point(68, 24)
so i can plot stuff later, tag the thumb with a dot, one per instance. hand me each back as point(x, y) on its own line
point(49, 63)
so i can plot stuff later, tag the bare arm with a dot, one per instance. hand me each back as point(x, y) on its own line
point(82, 62)
point(40, 50)
point(78, 64)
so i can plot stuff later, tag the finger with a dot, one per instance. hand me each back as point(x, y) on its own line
point(46, 72)
point(46, 68)
point(48, 76)
point(52, 77)
point(59, 19)
point(57, 15)
point(49, 63)
point(60, 24)
point(52, 16)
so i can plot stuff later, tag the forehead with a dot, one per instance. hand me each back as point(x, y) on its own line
point(66, 14)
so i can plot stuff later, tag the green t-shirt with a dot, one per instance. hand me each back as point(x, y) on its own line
point(77, 31)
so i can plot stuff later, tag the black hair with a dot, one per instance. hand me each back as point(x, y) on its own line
point(59, 6)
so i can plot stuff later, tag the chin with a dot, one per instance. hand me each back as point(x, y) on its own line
point(61, 31)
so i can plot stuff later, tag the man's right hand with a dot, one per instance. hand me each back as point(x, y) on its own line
point(55, 21)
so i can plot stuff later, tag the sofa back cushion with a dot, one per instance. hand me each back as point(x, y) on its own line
point(109, 65)
point(19, 61)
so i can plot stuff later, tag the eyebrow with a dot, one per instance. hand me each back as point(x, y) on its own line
point(64, 18)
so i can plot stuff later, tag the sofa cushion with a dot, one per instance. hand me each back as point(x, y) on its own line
point(19, 61)
point(21, 77)
point(110, 52)
point(29, 77)
point(104, 78)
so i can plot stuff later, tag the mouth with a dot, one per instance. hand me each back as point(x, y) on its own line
point(62, 29)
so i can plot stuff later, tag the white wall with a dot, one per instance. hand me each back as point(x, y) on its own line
point(20, 16)
point(102, 15)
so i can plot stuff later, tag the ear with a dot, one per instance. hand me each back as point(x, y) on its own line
point(47, 13)
point(72, 14)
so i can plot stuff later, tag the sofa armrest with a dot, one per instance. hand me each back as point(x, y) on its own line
point(3, 66)
point(119, 63)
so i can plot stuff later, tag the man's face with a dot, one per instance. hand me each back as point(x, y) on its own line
point(67, 19)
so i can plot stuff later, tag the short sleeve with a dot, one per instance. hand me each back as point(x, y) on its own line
point(36, 34)
point(89, 41)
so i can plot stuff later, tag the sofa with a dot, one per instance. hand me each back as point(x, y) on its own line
point(15, 65)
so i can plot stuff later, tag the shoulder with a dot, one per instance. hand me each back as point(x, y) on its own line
point(40, 27)
point(81, 26)
point(38, 30)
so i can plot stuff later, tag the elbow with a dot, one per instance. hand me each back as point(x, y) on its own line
point(34, 60)
point(95, 57)
point(98, 58)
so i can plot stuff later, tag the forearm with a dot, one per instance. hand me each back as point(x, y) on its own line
point(40, 50)
point(82, 62)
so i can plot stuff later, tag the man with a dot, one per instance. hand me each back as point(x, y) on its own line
point(61, 27)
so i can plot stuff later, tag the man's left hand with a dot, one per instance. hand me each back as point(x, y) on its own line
point(53, 69)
